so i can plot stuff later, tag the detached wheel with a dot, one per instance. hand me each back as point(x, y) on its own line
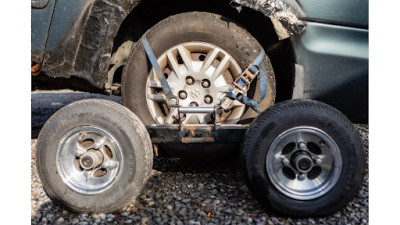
point(94, 156)
point(201, 54)
point(303, 158)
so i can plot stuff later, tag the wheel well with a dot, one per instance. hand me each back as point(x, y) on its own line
point(149, 12)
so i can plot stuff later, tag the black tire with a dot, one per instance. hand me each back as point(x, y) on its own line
point(127, 130)
point(287, 115)
point(185, 27)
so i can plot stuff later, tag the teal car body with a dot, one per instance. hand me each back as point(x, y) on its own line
point(330, 54)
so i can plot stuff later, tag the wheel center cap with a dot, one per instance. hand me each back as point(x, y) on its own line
point(91, 160)
point(303, 163)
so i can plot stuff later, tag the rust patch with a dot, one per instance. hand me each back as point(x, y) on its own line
point(283, 14)
point(197, 140)
point(35, 68)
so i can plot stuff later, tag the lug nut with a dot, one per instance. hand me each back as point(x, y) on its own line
point(208, 99)
point(79, 152)
point(81, 135)
point(189, 80)
point(193, 104)
point(109, 164)
point(105, 165)
point(172, 101)
point(302, 146)
point(318, 160)
point(301, 177)
point(182, 94)
point(285, 161)
point(205, 83)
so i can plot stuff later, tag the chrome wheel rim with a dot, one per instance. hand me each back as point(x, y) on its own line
point(89, 160)
point(304, 163)
point(199, 74)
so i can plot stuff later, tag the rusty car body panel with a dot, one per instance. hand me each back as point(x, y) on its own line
point(330, 44)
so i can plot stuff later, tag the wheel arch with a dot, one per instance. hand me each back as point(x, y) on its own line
point(82, 46)
point(147, 13)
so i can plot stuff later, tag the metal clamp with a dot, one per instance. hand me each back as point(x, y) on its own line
point(242, 84)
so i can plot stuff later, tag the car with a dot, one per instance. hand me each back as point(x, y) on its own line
point(267, 74)
point(315, 49)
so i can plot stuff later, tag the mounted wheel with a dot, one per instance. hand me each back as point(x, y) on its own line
point(201, 54)
point(303, 158)
point(94, 156)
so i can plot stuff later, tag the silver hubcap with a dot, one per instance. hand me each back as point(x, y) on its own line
point(199, 74)
point(89, 160)
point(304, 163)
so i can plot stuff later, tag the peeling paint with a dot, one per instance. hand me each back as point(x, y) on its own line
point(80, 45)
point(283, 14)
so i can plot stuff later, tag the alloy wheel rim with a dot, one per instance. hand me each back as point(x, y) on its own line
point(304, 163)
point(199, 74)
point(89, 160)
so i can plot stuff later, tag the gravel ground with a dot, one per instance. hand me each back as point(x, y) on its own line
point(179, 191)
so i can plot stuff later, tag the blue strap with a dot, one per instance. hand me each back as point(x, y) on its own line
point(154, 63)
point(263, 85)
point(259, 58)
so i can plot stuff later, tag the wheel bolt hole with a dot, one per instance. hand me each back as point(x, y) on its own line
point(208, 99)
point(202, 57)
point(182, 95)
point(205, 83)
point(189, 80)
point(193, 104)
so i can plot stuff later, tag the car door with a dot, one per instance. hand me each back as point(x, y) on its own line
point(41, 14)
point(352, 13)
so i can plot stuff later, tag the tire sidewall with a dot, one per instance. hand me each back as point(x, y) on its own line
point(187, 27)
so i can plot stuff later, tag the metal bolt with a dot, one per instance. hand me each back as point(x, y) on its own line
point(81, 135)
point(99, 143)
point(193, 104)
point(205, 83)
point(318, 160)
point(109, 164)
point(79, 152)
point(301, 177)
point(302, 146)
point(87, 161)
point(182, 94)
point(189, 80)
point(208, 99)
point(105, 165)
point(172, 101)
point(285, 161)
